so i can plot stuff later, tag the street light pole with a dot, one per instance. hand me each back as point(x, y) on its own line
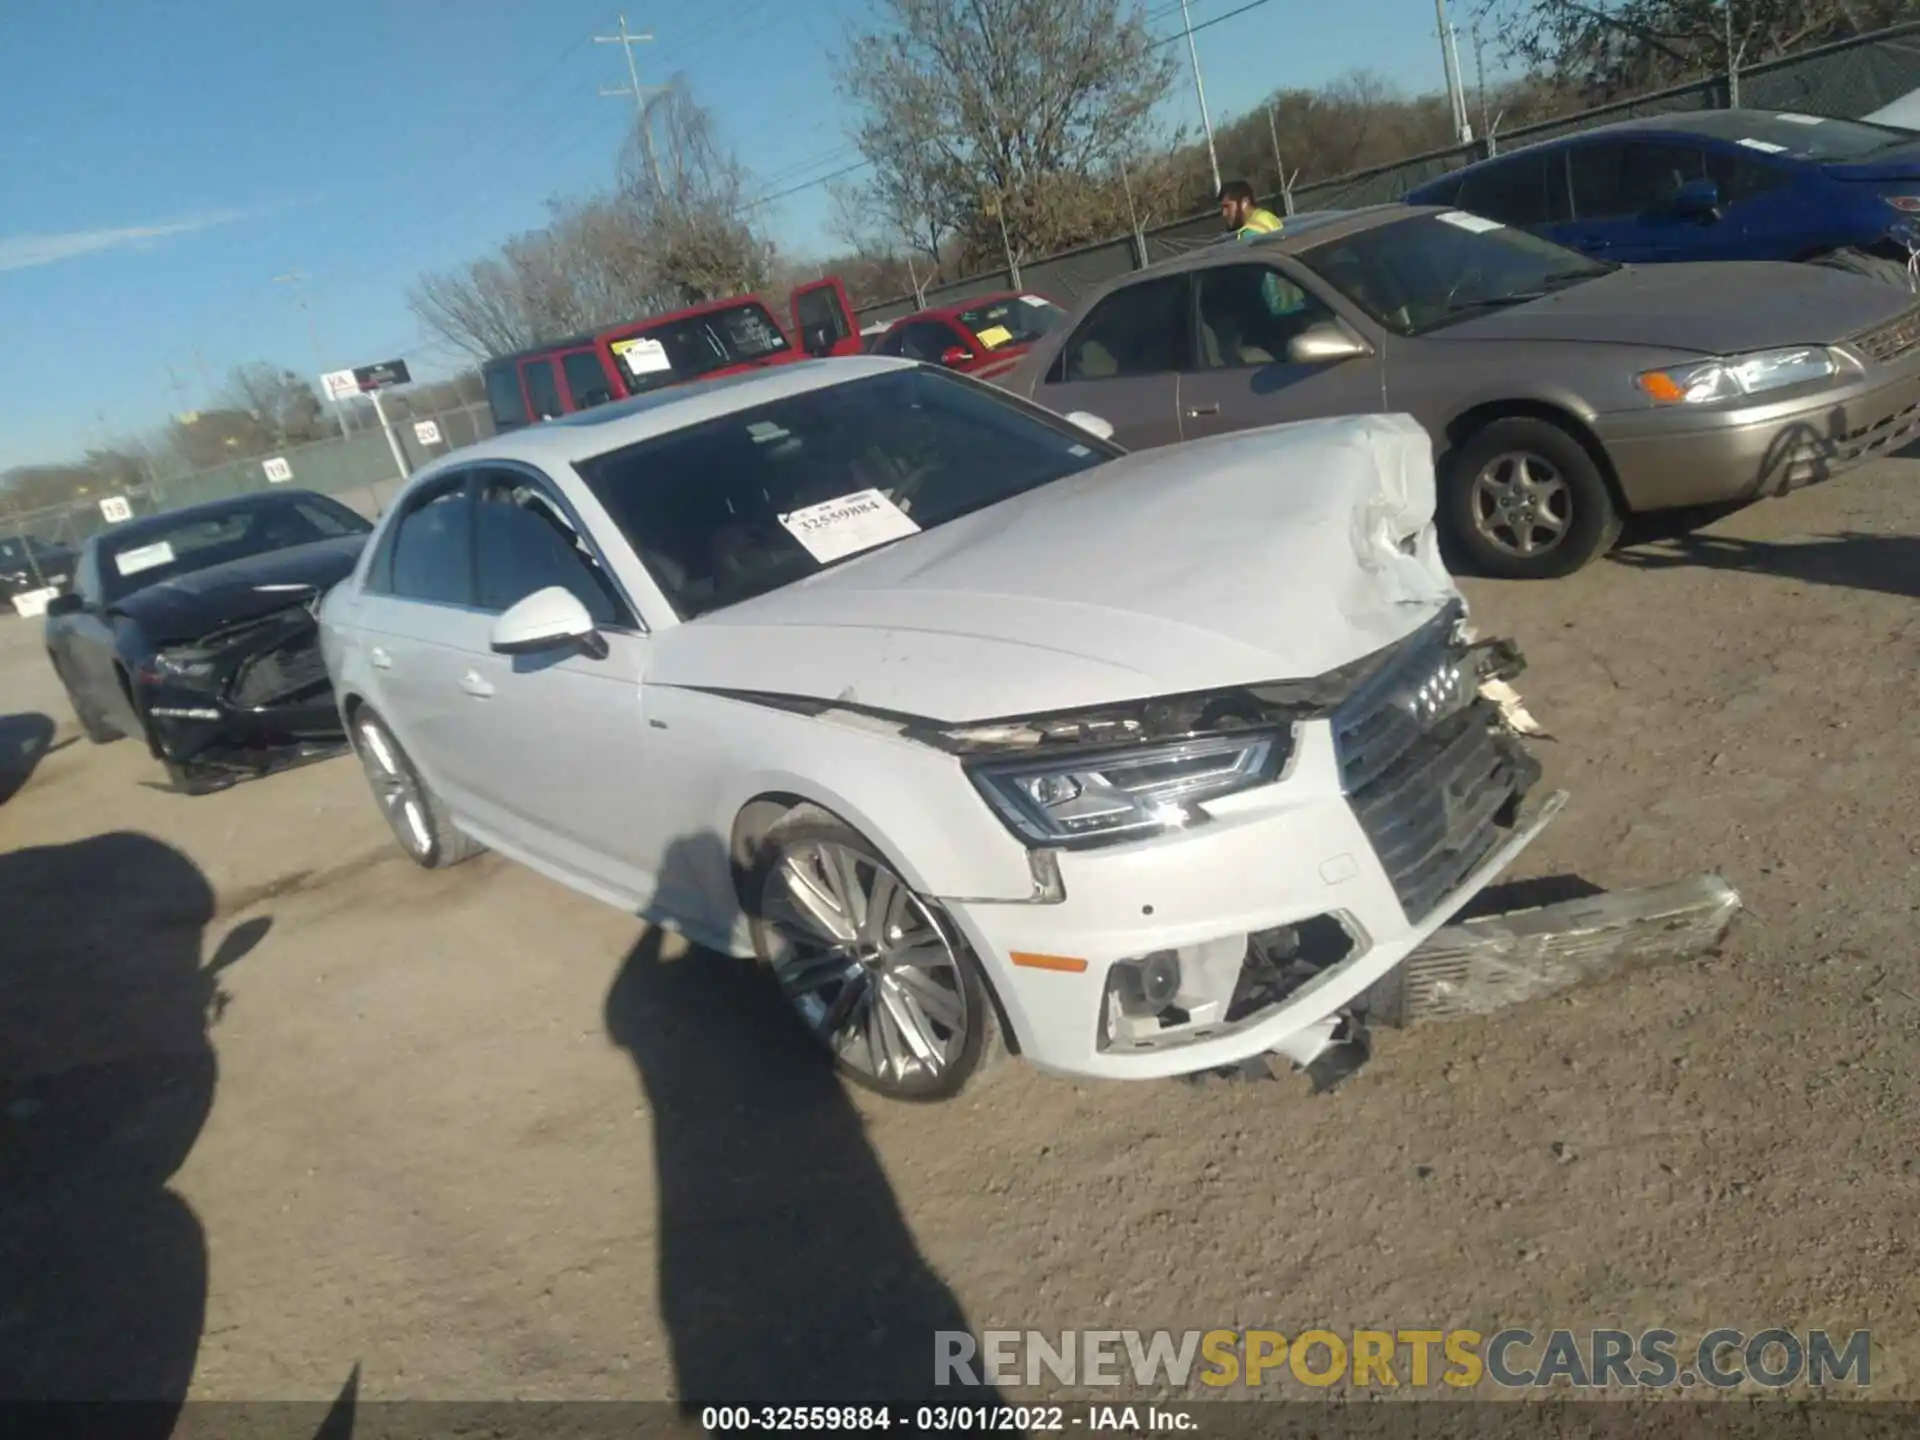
point(1200, 89)
point(298, 281)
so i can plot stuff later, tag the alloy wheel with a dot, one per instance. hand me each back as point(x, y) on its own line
point(866, 963)
point(1522, 504)
point(397, 789)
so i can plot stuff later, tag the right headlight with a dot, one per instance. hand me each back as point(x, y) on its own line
point(1706, 381)
point(1069, 799)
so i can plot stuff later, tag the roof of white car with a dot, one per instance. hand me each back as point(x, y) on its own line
point(556, 443)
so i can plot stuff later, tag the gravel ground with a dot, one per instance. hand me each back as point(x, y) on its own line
point(278, 1105)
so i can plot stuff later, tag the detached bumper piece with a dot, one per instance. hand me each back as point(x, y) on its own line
point(1478, 966)
point(259, 701)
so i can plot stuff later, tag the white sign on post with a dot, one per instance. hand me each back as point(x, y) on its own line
point(340, 384)
point(116, 508)
point(426, 432)
point(278, 470)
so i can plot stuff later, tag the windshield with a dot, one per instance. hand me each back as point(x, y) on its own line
point(675, 351)
point(1431, 271)
point(735, 507)
point(1804, 137)
point(164, 547)
point(1013, 320)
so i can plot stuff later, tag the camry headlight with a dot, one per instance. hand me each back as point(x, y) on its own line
point(1709, 380)
point(186, 664)
point(1096, 798)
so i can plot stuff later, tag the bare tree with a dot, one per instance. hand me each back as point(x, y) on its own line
point(966, 106)
point(283, 403)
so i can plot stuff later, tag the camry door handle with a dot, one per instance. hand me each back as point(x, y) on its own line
point(1194, 412)
point(379, 659)
point(475, 686)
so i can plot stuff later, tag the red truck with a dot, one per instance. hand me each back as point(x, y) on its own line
point(721, 337)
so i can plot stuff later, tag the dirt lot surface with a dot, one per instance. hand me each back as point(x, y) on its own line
point(278, 1104)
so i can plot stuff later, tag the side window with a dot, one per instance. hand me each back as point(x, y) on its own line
point(1631, 177)
point(1514, 192)
point(1248, 313)
point(509, 406)
point(891, 342)
point(432, 554)
point(586, 380)
point(1135, 331)
point(543, 390)
point(525, 543)
point(86, 576)
point(927, 340)
point(1740, 178)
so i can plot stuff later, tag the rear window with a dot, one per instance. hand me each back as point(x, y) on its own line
point(672, 352)
point(509, 406)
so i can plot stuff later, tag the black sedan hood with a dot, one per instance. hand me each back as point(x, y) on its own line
point(190, 605)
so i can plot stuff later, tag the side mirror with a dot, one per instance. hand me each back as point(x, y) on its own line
point(1091, 423)
point(67, 604)
point(1326, 344)
point(955, 355)
point(1697, 200)
point(549, 619)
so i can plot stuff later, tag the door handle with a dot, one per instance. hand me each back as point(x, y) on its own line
point(379, 659)
point(1194, 412)
point(475, 686)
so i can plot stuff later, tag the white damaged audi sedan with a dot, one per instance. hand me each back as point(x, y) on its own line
point(972, 727)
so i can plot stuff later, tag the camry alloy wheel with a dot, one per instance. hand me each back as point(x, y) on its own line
point(397, 790)
point(1522, 504)
point(866, 963)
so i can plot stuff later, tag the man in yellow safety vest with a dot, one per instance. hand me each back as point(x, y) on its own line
point(1242, 215)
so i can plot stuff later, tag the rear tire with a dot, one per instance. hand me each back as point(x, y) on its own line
point(1523, 500)
point(1873, 267)
point(898, 1000)
point(416, 816)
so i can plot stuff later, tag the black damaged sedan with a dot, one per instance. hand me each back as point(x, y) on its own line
point(194, 631)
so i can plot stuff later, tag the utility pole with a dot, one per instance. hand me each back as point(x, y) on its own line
point(1480, 85)
point(298, 281)
point(1200, 89)
point(626, 40)
point(1280, 165)
point(1456, 94)
point(1733, 59)
point(1133, 221)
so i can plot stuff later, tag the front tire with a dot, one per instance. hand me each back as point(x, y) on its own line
point(1523, 500)
point(416, 816)
point(97, 731)
point(876, 972)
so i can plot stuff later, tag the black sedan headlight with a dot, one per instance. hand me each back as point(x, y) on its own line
point(187, 663)
point(1079, 799)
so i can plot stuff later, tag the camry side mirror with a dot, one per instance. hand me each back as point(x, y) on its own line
point(549, 619)
point(1697, 200)
point(1091, 423)
point(67, 604)
point(955, 355)
point(1326, 344)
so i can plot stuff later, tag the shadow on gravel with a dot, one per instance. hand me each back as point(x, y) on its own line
point(25, 740)
point(107, 1074)
point(787, 1272)
point(1887, 563)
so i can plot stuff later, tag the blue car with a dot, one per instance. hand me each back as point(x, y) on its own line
point(1711, 185)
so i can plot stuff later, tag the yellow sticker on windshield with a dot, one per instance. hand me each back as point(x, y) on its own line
point(994, 336)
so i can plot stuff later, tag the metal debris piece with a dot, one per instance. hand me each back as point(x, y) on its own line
point(1482, 965)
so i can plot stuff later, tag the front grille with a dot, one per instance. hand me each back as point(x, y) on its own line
point(290, 672)
point(1891, 341)
point(1432, 785)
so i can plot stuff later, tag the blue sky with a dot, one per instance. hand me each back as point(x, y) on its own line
point(165, 160)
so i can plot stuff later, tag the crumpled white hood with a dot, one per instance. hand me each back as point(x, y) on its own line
point(1271, 554)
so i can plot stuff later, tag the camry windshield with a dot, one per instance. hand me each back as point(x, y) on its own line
point(1804, 137)
point(735, 507)
point(1431, 271)
point(675, 351)
point(167, 546)
point(1016, 320)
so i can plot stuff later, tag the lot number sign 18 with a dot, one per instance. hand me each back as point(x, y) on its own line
point(116, 508)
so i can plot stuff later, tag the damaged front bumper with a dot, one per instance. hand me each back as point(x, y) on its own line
point(244, 700)
point(1406, 795)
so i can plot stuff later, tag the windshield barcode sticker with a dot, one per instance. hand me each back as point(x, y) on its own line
point(1793, 119)
point(143, 557)
point(1765, 147)
point(1478, 224)
point(835, 529)
point(641, 356)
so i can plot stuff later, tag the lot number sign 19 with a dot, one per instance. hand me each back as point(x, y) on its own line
point(116, 508)
point(278, 470)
